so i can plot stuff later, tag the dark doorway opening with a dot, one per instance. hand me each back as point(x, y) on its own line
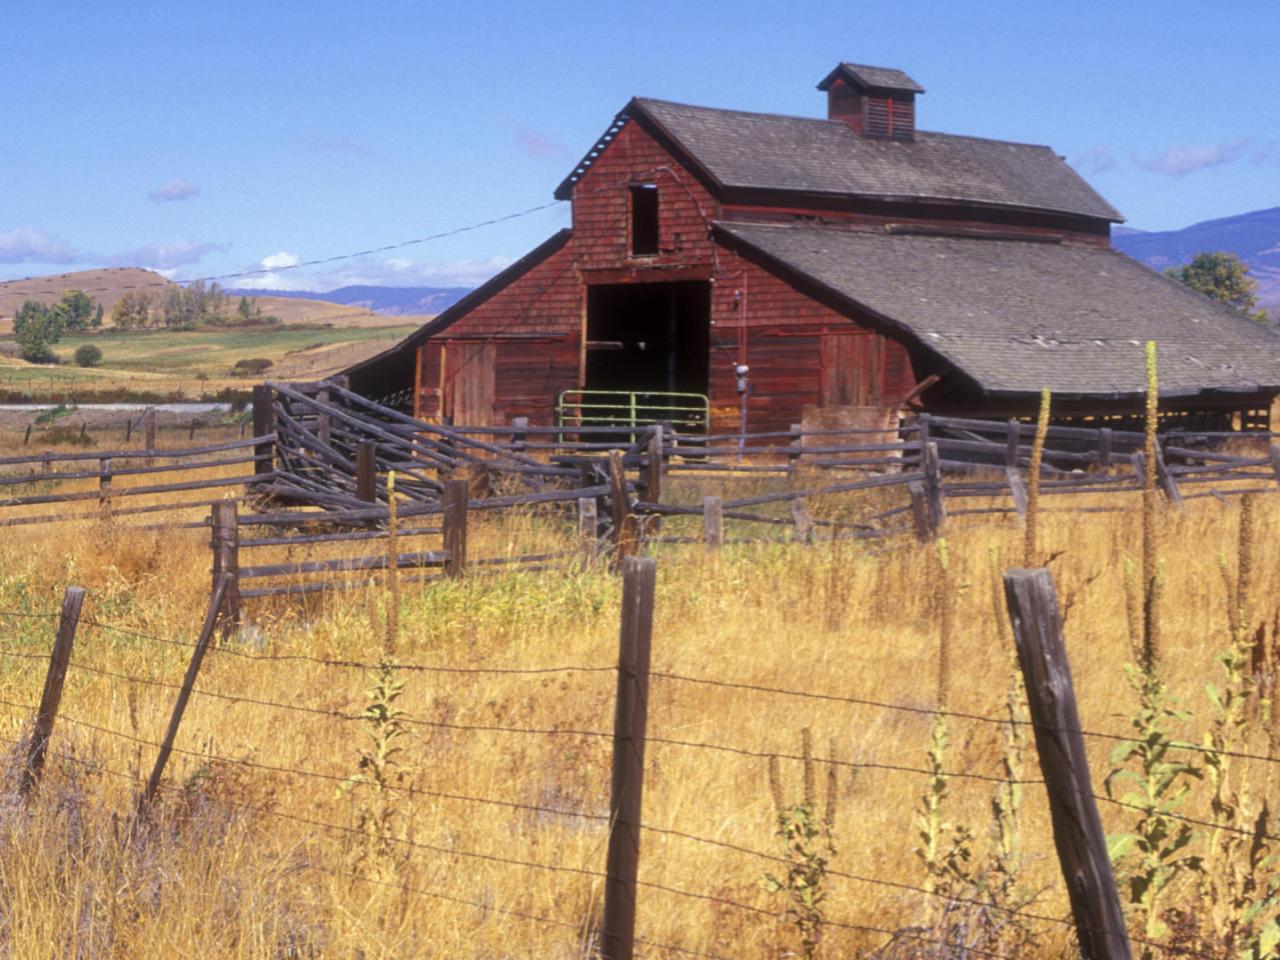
point(646, 337)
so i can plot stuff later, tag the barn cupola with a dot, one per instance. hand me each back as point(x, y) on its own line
point(877, 102)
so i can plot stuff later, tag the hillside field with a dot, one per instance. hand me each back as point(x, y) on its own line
point(194, 363)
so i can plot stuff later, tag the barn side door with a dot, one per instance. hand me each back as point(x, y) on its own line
point(851, 365)
point(469, 382)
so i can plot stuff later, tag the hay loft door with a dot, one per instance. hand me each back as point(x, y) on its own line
point(648, 337)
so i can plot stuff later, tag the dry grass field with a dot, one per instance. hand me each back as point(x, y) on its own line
point(476, 824)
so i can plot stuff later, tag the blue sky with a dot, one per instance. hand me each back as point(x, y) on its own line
point(206, 139)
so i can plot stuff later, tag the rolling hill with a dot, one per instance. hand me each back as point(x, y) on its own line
point(109, 285)
point(1254, 237)
point(390, 301)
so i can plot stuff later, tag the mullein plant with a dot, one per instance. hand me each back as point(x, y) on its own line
point(1147, 771)
point(1240, 901)
point(808, 843)
point(1031, 551)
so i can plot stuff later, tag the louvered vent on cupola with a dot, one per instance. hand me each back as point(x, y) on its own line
point(877, 102)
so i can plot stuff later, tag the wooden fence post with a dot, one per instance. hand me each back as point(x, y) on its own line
point(1167, 479)
point(264, 423)
point(226, 557)
point(367, 471)
point(934, 499)
point(1018, 490)
point(1012, 442)
point(104, 483)
point(1077, 828)
point(46, 462)
point(652, 478)
point(1273, 452)
point(454, 501)
point(59, 660)
point(802, 519)
point(639, 576)
point(27, 437)
point(1104, 447)
point(184, 694)
point(795, 441)
point(713, 521)
point(519, 433)
point(191, 434)
point(624, 521)
point(149, 433)
point(588, 529)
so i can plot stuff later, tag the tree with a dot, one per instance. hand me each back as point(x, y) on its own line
point(133, 310)
point(37, 328)
point(245, 310)
point(88, 355)
point(1221, 276)
point(76, 308)
point(97, 317)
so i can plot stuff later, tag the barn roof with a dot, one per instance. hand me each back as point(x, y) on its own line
point(873, 78)
point(765, 151)
point(1019, 316)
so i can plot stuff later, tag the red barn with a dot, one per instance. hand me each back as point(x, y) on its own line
point(735, 267)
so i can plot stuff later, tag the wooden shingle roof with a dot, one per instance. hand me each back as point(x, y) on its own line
point(764, 151)
point(1017, 316)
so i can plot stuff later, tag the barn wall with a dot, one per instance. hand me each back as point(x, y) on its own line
point(799, 352)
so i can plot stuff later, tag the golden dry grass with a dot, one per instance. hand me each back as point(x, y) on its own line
point(235, 867)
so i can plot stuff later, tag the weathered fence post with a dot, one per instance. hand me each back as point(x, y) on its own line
point(46, 462)
point(59, 660)
point(713, 521)
point(191, 434)
point(588, 529)
point(519, 433)
point(184, 694)
point(1167, 479)
point(1077, 828)
point(1104, 447)
point(652, 478)
point(928, 506)
point(27, 437)
point(367, 471)
point(149, 434)
point(454, 502)
point(1011, 445)
point(128, 429)
point(1274, 453)
point(264, 423)
point(104, 483)
point(624, 521)
point(802, 519)
point(226, 557)
point(795, 440)
point(639, 576)
point(1018, 490)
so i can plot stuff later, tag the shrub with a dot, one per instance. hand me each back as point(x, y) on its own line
point(251, 366)
point(88, 355)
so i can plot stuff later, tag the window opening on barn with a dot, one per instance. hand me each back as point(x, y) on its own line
point(644, 220)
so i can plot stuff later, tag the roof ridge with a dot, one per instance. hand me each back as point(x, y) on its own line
point(828, 120)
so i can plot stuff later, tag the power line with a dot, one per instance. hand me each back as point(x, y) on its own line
point(296, 266)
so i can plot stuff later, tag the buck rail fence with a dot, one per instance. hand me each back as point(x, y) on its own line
point(213, 686)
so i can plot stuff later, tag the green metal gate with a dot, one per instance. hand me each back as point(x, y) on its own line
point(686, 412)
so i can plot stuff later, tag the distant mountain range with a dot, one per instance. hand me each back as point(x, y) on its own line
point(1253, 237)
point(391, 301)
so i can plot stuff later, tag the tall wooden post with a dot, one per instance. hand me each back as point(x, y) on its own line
point(934, 497)
point(639, 576)
point(519, 433)
point(104, 484)
point(802, 519)
point(652, 478)
point(454, 502)
point(184, 694)
point(59, 660)
point(588, 529)
point(1012, 441)
point(713, 521)
point(149, 434)
point(1055, 718)
point(795, 440)
point(264, 423)
point(226, 556)
point(367, 471)
point(624, 521)
point(1104, 447)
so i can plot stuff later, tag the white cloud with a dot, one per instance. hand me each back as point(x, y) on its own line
point(175, 189)
point(276, 261)
point(27, 245)
point(1181, 159)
